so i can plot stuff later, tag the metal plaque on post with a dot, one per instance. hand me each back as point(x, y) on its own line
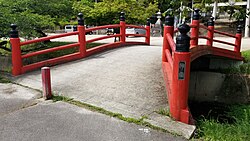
point(181, 72)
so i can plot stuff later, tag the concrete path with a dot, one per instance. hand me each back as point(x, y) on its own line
point(48, 121)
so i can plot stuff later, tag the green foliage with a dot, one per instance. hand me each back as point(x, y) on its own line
point(164, 112)
point(212, 130)
point(32, 15)
point(246, 55)
point(4, 79)
point(108, 11)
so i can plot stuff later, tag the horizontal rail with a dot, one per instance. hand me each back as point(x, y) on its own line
point(169, 58)
point(171, 42)
point(204, 27)
point(192, 26)
point(223, 42)
point(104, 37)
point(53, 61)
point(136, 35)
point(48, 38)
point(135, 26)
point(50, 50)
point(101, 27)
point(223, 33)
point(193, 38)
point(205, 37)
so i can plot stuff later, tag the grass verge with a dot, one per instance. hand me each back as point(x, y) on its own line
point(214, 130)
point(106, 112)
point(4, 79)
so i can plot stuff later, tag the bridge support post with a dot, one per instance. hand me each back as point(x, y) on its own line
point(195, 30)
point(181, 76)
point(210, 32)
point(168, 28)
point(16, 51)
point(238, 39)
point(81, 36)
point(147, 39)
point(122, 28)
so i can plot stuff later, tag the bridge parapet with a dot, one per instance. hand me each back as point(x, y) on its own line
point(177, 57)
point(17, 57)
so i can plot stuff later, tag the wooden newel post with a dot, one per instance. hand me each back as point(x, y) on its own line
point(46, 83)
point(81, 35)
point(147, 39)
point(210, 32)
point(168, 28)
point(181, 74)
point(16, 51)
point(195, 30)
point(238, 39)
point(123, 28)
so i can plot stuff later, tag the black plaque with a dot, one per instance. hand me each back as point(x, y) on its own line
point(181, 72)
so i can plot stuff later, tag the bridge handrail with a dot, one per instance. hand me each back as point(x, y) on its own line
point(48, 38)
point(171, 42)
point(17, 57)
point(223, 42)
point(177, 57)
point(49, 50)
point(225, 34)
point(102, 27)
point(103, 37)
point(135, 26)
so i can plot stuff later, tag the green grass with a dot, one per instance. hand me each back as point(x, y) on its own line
point(4, 79)
point(246, 55)
point(213, 130)
point(164, 112)
point(139, 121)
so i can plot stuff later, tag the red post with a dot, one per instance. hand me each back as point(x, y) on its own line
point(147, 39)
point(123, 28)
point(46, 82)
point(168, 28)
point(195, 30)
point(16, 51)
point(238, 39)
point(180, 78)
point(210, 32)
point(81, 36)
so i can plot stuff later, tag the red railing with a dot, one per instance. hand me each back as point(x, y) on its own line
point(17, 58)
point(176, 59)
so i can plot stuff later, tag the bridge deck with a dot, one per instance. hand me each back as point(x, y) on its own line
point(125, 80)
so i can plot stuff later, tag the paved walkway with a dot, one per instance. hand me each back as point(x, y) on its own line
point(23, 117)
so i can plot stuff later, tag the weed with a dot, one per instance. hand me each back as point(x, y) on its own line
point(139, 121)
point(164, 112)
point(212, 129)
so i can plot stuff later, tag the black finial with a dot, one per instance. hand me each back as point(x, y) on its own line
point(148, 22)
point(211, 22)
point(122, 16)
point(80, 19)
point(169, 20)
point(13, 32)
point(196, 14)
point(183, 40)
point(239, 29)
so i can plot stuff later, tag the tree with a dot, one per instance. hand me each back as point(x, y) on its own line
point(108, 11)
point(33, 16)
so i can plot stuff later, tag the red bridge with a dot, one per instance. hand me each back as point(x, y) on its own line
point(177, 58)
